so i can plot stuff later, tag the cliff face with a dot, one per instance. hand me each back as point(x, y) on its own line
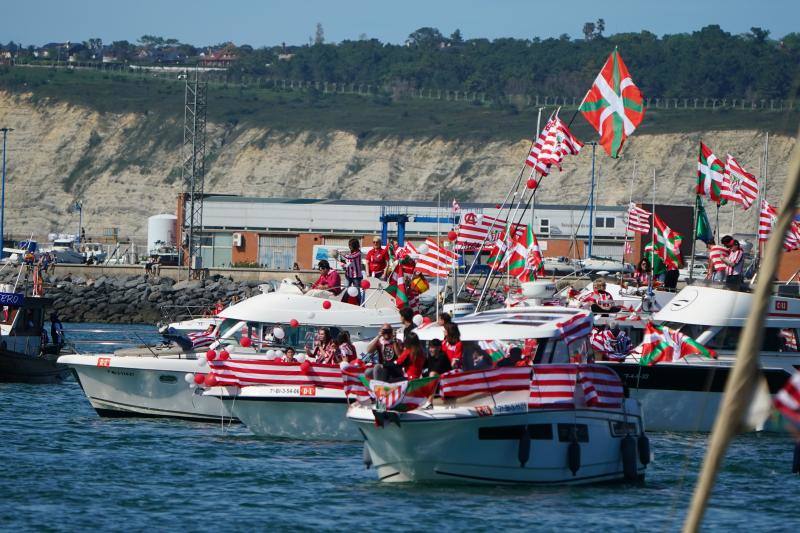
point(126, 167)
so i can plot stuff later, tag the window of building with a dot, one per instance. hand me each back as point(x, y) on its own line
point(336, 241)
point(215, 249)
point(544, 226)
point(605, 222)
point(277, 251)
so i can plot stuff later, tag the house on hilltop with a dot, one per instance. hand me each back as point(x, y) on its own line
point(221, 58)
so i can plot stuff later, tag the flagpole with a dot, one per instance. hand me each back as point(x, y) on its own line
point(439, 244)
point(591, 203)
point(716, 229)
point(533, 200)
point(733, 217)
point(630, 201)
point(694, 236)
point(652, 237)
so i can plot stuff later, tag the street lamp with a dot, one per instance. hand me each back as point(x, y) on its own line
point(3, 192)
point(79, 208)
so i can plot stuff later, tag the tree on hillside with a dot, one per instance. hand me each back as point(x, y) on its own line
point(151, 40)
point(588, 31)
point(456, 37)
point(319, 34)
point(425, 38)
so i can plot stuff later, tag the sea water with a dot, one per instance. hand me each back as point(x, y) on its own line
point(64, 468)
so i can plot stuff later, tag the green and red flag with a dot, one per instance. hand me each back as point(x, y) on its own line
point(664, 344)
point(711, 178)
point(702, 230)
point(526, 261)
point(667, 244)
point(403, 396)
point(614, 105)
point(397, 287)
point(656, 264)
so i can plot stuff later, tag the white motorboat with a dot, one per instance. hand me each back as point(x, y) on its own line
point(685, 395)
point(151, 381)
point(519, 425)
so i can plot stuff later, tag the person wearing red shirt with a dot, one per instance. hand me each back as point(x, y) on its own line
point(412, 359)
point(452, 346)
point(377, 258)
point(329, 280)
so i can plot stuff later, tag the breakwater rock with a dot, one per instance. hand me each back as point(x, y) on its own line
point(138, 299)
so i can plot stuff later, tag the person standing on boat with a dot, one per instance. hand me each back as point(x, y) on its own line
point(377, 258)
point(412, 359)
point(354, 270)
point(407, 319)
point(735, 265)
point(452, 346)
point(346, 349)
point(642, 273)
point(716, 261)
point(438, 362)
point(329, 280)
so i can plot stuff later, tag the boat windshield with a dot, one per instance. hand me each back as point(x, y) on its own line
point(301, 338)
point(727, 338)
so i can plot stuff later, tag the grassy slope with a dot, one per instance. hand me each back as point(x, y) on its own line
point(293, 111)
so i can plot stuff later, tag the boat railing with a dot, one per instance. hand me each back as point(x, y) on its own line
point(173, 313)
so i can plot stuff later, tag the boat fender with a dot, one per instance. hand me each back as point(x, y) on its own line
point(574, 455)
point(643, 444)
point(796, 459)
point(524, 450)
point(629, 457)
point(367, 458)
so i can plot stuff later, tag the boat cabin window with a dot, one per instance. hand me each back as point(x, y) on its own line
point(28, 322)
point(300, 338)
point(775, 339)
point(556, 351)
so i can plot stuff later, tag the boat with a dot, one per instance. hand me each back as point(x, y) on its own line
point(534, 425)
point(27, 352)
point(151, 381)
point(685, 395)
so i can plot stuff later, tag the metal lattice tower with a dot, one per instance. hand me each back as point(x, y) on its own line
point(193, 155)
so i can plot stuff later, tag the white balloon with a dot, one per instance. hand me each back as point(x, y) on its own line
point(192, 385)
point(310, 314)
point(417, 320)
point(278, 333)
point(201, 361)
point(270, 354)
point(189, 378)
point(352, 291)
point(343, 365)
point(423, 249)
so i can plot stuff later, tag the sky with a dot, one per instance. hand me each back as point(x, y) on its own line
point(270, 22)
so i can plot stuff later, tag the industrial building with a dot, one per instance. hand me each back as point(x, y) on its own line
point(276, 233)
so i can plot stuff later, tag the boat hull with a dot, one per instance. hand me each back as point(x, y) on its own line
point(293, 412)
point(39, 369)
point(143, 387)
point(485, 449)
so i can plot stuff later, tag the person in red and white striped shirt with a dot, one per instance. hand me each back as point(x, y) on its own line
point(600, 300)
point(735, 264)
point(716, 264)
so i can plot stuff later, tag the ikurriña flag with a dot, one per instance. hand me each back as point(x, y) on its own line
point(614, 105)
point(664, 344)
point(711, 179)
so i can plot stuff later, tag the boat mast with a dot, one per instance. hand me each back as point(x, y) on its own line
point(630, 201)
point(743, 379)
point(3, 194)
point(591, 204)
point(439, 244)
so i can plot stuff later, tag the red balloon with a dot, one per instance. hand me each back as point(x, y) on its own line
point(426, 320)
point(452, 235)
point(245, 342)
point(211, 355)
point(326, 304)
point(365, 284)
point(199, 378)
point(210, 380)
point(294, 323)
point(305, 367)
point(497, 206)
point(532, 183)
point(224, 355)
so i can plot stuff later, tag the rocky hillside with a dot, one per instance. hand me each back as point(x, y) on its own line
point(125, 167)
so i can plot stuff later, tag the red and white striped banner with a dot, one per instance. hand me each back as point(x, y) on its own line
point(437, 262)
point(601, 386)
point(244, 372)
point(787, 401)
point(743, 186)
point(553, 386)
point(353, 386)
point(576, 328)
point(766, 221)
point(476, 230)
point(638, 219)
point(456, 384)
point(554, 142)
point(201, 339)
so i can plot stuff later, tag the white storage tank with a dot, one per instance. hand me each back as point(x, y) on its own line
point(161, 228)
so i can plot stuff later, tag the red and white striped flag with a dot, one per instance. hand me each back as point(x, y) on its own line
point(553, 386)
point(201, 339)
point(244, 372)
point(766, 221)
point(438, 261)
point(476, 229)
point(553, 144)
point(787, 401)
point(742, 186)
point(602, 341)
point(638, 219)
point(601, 386)
point(456, 208)
point(353, 386)
point(456, 384)
point(576, 328)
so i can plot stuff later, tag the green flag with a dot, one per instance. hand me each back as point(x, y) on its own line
point(702, 230)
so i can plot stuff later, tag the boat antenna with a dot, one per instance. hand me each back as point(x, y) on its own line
point(743, 380)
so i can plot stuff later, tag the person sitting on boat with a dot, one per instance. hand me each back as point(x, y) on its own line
point(346, 349)
point(218, 307)
point(452, 345)
point(438, 362)
point(329, 280)
point(600, 300)
point(288, 356)
point(377, 258)
point(643, 273)
point(407, 319)
point(325, 350)
point(412, 359)
point(444, 318)
point(735, 265)
point(384, 351)
point(513, 358)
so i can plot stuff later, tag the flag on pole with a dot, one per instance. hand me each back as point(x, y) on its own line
point(638, 219)
point(702, 230)
point(456, 208)
point(664, 344)
point(554, 143)
point(403, 396)
point(766, 221)
point(397, 287)
point(475, 229)
point(743, 186)
point(526, 261)
point(711, 179)
point(787, 401)
point(667, 244)
point(614, 105)
point(437, 261)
